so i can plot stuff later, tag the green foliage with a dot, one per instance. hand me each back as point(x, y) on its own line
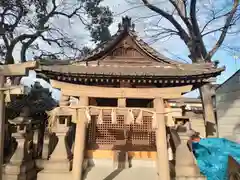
point(101, 18)
point(25, 22)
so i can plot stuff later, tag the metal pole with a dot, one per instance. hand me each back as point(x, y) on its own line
point(2, 124)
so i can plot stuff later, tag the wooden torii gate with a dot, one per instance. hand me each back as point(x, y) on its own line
point(10, 70)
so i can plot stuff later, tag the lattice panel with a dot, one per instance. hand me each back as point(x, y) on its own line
point(107, 134)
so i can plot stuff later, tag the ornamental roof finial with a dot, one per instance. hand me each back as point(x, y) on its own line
point(126, 24)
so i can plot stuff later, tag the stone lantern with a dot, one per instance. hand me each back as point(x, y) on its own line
point(21, 165)
point(57, 165)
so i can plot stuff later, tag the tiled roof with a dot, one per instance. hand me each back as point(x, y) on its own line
point(157, 64)
point(105, 47)
point(164, 70)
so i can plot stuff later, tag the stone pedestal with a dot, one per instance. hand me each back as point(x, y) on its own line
point(185, 161)
point(21, 165)
point(57, 166)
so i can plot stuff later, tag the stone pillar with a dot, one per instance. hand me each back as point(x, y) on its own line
point(185, 162)
point(161, 141)
point(21, 165)
point(58, 165)
point(79, 145)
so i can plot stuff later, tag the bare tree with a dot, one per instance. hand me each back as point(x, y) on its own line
point(25, 24)
point(186, 24)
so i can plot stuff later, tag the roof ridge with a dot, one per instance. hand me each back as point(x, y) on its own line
point(127, 28)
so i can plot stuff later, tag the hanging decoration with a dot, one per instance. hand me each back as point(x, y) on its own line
point(75, 118)
point(87, 114)
point(100, 117)
point(139, 119)
point(170, 120)
point(154, 121)
point(130, 117)
point(52, 119)
point(114, 116)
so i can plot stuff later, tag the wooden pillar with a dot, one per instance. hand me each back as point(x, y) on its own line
point(161, 141)
point(120, 159)
point(79, 145)
point(122, 102)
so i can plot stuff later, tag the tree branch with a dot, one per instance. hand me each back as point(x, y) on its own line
point(224, 31)
point(211, 20)
point(182, 33)
point(182, 12)
point(196, 31)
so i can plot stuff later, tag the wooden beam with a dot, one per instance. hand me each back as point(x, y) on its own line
point(107, 92)
point(17, 69)
point(17, 90)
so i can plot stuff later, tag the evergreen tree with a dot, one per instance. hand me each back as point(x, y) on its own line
point(101, 18)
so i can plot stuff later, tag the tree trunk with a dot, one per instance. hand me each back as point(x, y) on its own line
point(24, 49)
point(9, 56)
point(209, 115)
point(23, 54)
point(9, 59)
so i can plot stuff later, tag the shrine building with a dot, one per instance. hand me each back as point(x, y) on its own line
point(122, 88)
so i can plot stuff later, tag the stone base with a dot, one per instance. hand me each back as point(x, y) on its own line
point(52, 166)
point(30, 175)
point(16, 171)
point(53, 170)
point(54, 175)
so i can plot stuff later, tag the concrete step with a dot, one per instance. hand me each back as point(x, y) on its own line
point(104, 173)
point(138, 173)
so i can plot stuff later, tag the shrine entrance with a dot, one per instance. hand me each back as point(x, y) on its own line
point(123, 140)
point(121, 136)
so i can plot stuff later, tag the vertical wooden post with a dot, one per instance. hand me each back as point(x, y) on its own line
point(120, 158)
point(2, 124)
point(122, 102)
point(161, 141)
point(79, 146)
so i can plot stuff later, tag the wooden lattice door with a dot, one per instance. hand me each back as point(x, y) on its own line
point(120, 136)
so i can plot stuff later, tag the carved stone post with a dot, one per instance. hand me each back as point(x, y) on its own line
point(161, 141)
point(58, 165)
point(185, 162)
point(79, 145)
point(21, 164)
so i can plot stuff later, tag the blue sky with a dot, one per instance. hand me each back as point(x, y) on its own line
point(173, 48)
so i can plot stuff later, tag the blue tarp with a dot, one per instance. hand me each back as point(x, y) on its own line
point(212, 156)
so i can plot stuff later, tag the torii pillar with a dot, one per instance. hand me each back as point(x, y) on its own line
point(161, 141)
point(9, 71)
